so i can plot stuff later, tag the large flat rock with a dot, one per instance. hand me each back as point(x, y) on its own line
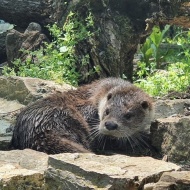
point(90, 171)
point(28, 169)
point(26, 89)
point(22, 169)
point(28, 159)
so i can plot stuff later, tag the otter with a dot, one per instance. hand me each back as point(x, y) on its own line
point(78, 120)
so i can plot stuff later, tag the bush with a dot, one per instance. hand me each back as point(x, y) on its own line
point(175, 77)
point(57, 61)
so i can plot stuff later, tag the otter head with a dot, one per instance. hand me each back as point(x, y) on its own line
point(124, 112)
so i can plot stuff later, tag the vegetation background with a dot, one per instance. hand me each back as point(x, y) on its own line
point(164, 63)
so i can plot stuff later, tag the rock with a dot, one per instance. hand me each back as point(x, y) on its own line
point(2, 47)
point(122, 27)
point(32, 39)
point(169, 132)
point(22, 169)
point(173, 181)
point(33, 27)
point(37, 170)
point(26, 90)
point(90, 171)
point(170, 136)
point(4, 27)
point(28, 159)
point(166, 108)
point(46, 11)
point(5, 137)
point(8, 109)
point(13, 177)
point(149, 186)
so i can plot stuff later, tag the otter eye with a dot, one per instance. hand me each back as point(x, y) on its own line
point(144, 104)
point(128, 116)
point(107, 111)
point(109, 96)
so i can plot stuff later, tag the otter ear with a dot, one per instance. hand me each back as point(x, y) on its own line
point(109, 96)
point(144, 104)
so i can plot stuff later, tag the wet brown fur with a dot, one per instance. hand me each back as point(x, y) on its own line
point(63, 122)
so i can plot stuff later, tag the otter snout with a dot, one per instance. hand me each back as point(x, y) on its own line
point(110, 125)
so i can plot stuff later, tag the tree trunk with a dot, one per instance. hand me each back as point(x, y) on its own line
point(121, 25)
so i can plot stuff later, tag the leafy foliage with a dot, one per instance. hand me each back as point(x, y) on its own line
point(176, 76)
point(57, 61)
point(151, 47)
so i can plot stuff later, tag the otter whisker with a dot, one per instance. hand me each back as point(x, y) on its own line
point(93, 132)
point(131, 143)
point(94, 122)
point(144, 144)
point(93, 135)
point(104, 142)
point(142, 134)
point(123, 141)
point(126, 137)
point(101, 141)
point(94, 119)
point(139, 142)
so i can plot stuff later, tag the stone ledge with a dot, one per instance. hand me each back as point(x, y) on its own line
point(90, 171)
point(29, 169)
point(22, 169)
point(26, 89)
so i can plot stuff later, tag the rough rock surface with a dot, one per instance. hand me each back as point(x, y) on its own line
point(8, 109)
point(26, 90)
point(170, 136)
point(4, 28)
point(2, 47)
point(173, 181)
point(36, 170)
point(167, 108)
point(32, 39)
point(22, 169)
point(89, 171)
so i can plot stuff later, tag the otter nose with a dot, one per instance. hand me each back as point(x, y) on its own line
point(110, 125)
